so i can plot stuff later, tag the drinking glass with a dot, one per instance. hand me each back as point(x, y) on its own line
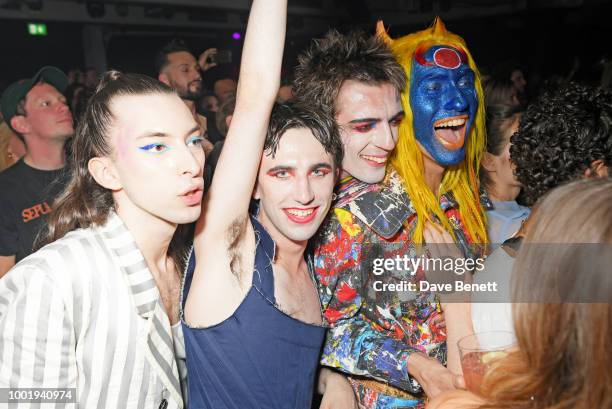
point(478, 353)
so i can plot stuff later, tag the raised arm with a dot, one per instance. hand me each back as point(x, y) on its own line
point(218, 287)
point(236, 172)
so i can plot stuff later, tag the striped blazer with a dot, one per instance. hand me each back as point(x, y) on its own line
point(84, 312)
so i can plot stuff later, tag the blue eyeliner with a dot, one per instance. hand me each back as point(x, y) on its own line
point(149, 148)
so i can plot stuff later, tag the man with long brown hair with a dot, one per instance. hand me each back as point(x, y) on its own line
point(95, 312)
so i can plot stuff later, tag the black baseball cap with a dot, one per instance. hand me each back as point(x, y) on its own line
point(18, 90)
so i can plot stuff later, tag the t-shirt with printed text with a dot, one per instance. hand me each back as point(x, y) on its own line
point(26, 196)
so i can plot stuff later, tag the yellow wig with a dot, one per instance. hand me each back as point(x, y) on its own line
point(461, 179)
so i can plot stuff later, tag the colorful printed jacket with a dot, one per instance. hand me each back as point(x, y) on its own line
point(374, 332)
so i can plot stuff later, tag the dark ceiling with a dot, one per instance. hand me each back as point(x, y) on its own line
point(537, 32)
point(306, 16)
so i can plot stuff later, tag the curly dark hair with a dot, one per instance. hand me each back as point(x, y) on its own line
point(559, 137)
point(335, 58)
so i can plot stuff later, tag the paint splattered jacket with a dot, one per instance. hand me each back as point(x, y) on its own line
point(374, 332)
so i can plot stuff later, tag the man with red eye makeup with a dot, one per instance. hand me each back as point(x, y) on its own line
point(251, 314)
point(390, 343)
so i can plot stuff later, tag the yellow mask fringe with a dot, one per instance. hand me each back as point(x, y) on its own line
point(462, 179)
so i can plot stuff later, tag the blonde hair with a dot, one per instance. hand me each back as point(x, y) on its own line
point(6, 160)
point(462, 179)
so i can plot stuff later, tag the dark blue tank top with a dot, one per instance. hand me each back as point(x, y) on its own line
point(259, 357)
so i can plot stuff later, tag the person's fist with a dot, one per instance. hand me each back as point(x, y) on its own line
point(205, 60)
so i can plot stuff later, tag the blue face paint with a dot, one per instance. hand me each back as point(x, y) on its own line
point(443, 101)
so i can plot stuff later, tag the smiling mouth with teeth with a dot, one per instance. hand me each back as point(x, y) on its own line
point(376, 160)
point(451, 131)
point(300, 213)
point(301, 216)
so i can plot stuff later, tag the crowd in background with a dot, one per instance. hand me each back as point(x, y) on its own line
point(538, 140)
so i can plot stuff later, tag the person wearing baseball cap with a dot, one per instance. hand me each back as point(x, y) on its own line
point(36, 110)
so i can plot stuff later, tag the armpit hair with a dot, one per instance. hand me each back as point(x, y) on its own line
point(234, 235)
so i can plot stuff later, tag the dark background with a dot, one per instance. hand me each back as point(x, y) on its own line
point(546, 36)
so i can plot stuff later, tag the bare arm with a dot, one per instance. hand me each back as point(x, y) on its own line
point(6, 263)
point(336, 390)
point(229, 195)
point(457, 310)
point(9, 239)
point(459, 324)
point(225, 208)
